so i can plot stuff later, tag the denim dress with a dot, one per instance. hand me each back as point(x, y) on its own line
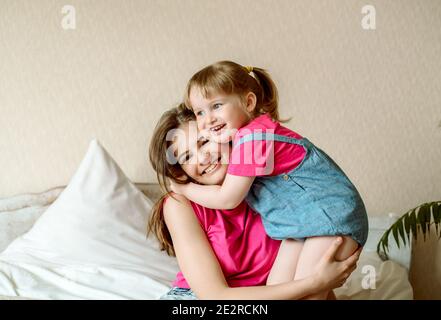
point(176, 293)
point(314, 199)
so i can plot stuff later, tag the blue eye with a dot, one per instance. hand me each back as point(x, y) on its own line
point(199, 113)
point(216, 106)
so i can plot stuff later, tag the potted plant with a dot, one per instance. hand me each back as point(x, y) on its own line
point(417, 219)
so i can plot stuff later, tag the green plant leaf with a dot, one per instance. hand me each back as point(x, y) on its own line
point(400, 227)
point(421, 221)
point(424, 217)
point(395, 234)
point(386, 240)
point(420, 217)
point(436, 213)
point(384, 244)
point(407, 226)
point(413, 224)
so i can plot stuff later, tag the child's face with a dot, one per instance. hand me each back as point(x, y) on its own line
point(219, 115)
point(203, 160)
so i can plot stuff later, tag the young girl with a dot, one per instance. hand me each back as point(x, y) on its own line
point(302, 195)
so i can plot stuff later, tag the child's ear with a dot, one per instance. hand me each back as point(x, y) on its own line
point(251, 101)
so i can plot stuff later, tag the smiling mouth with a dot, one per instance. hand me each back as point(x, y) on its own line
point(217, 128)
point(211, 167)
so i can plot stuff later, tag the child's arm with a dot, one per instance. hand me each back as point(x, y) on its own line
point(227, 196)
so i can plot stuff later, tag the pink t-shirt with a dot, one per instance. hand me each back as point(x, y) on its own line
point(244, 251)
point(260, 158)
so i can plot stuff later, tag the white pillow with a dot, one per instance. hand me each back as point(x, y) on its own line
point(376, 280)
point(90, 243)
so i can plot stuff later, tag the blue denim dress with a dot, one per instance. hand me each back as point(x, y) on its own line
point(176, 293)
point(314, 199)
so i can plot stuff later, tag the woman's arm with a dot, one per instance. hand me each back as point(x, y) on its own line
point(204, 274)
point(227, 196)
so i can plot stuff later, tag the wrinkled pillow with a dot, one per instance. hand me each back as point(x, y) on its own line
point(90, 243)
point(375, 279)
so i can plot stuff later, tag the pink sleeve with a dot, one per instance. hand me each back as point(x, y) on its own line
point(252, 158)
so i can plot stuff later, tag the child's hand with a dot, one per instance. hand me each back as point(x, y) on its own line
point(330, 273)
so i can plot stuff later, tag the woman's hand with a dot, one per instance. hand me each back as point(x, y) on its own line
point(330, 273)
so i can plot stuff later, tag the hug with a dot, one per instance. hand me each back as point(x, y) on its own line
point(284, 223)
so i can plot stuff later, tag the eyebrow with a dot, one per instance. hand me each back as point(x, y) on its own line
point(210, 103)
point(214, 101)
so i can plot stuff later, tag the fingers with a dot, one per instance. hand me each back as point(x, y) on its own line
point(351, 269)
point(332, 250)
point(342, 282)
point(354, 258)
point(348, 269)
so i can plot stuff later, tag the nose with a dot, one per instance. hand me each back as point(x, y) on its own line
point(209, 119)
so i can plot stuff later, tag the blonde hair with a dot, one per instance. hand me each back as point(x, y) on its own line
point(231, 78)
point(164, 168)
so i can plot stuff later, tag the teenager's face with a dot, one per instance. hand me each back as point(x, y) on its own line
point(204, 161)
point(219, 114)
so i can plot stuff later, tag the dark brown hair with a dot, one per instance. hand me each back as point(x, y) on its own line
point(166, 169)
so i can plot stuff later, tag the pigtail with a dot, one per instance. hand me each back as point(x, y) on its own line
point(269, 102)
point(269, 95)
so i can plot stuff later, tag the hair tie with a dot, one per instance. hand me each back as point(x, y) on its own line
point(249, 69)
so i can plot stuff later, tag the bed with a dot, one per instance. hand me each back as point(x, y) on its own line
point(87, 240)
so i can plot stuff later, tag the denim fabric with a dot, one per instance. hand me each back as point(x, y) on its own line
point(177, 293)
point(314, 199)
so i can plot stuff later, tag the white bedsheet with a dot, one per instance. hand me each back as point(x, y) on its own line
point(77, 282)
point(37, 279)
point(46, 281)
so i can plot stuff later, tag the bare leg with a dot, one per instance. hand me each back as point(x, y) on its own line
point(313, 250)
point(284, 266)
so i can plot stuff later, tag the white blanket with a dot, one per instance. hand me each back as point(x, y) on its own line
point(21, 279)
point(34, 281)
point(75, 282)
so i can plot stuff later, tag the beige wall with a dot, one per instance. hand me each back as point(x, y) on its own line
point(371, 99)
